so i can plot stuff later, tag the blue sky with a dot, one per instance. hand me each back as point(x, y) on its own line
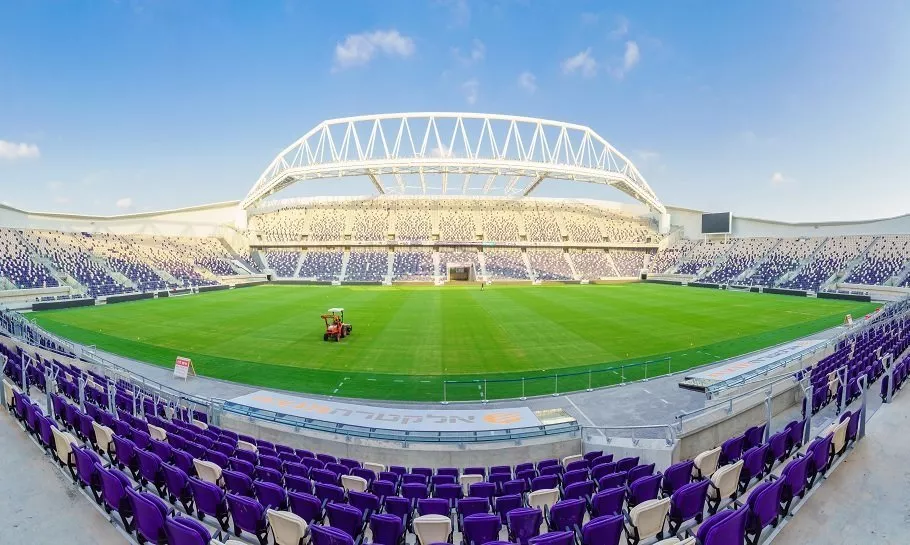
point(778, 109)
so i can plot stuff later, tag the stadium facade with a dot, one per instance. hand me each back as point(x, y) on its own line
point(452, 190)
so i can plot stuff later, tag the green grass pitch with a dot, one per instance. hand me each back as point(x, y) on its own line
point(408, 339)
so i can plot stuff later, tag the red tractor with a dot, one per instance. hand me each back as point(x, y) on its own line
point(335, 328)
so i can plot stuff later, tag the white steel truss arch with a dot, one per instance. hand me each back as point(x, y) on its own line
point(455, 147)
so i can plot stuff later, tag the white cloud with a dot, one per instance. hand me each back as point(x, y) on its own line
point(630, 58)
point(21, 150)
point(359, 49)
point(124, 203)
point(55, 185)
point(478, 53)
point(583, 62)
point(441, 152)
point(471, 89)
point(621, 29)
point(527, 81)
point(778, 178)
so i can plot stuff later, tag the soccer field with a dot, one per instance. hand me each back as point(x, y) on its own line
point(407, 340)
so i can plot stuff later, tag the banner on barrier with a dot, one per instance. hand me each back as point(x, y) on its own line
point(390, 418)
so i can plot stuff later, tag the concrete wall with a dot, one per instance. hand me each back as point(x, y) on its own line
point(719, 425)
point(411, 454)
point(649, 451)
point(690, 221)
point(13, 298)
point(197, 221)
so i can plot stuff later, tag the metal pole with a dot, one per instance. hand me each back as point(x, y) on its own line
point(670, 365)
point(556, 386)
point(444, 399)
point(484, 390)
point(25, 360)
point(112, 397)
point(768, 410)
point(589, 380)
point(48, 388)
point(808, 392)
point(3, 361)
point(622, 374)
point(646, 371)
point(82, 393)
point(843, 390)
point(523, 389)
point(861, 432)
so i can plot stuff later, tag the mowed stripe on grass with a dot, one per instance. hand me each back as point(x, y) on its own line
point(408, 339)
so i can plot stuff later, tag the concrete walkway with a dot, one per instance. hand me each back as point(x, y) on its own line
point(39, 504)
point(867, 498)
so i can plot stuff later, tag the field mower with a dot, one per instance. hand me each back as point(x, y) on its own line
point(335, 328)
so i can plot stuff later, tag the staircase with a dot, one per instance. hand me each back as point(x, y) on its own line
point(902, 275)
point(532, 274)
point(300, 261)
point(755, 266)
point(612, 265)
point(344, 265)
point(117, 276)
point(793, 273)
point(482, 259)
point(236, 262)
point(259, 259)
point(437, 274)
point(239, 267)
point(390, 266)
point(6, 284)
point(683, 257)
point(167, 277)
point(854, 263)
point(62, 278)
point(568, 257)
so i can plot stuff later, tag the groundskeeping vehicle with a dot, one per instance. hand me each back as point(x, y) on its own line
point(335, 328)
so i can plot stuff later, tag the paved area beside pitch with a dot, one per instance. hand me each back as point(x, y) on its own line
point(39, 504)
point(651, 402)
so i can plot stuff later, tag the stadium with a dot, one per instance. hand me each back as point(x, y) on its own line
point(451, 358)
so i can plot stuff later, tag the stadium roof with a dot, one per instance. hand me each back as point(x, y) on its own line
point(399, 153)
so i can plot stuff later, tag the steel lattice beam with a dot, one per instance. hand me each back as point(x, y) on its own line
point(422, 144)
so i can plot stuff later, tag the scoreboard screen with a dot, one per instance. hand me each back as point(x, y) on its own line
point(719, 223)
